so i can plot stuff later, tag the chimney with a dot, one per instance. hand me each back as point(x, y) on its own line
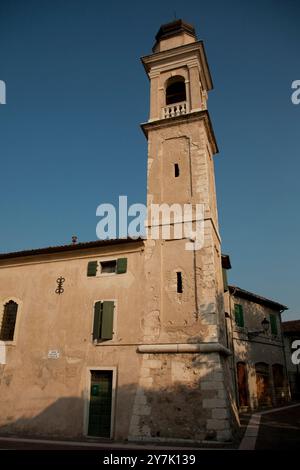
point(74, 240)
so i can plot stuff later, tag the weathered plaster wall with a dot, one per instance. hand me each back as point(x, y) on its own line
point(180, 396)
point(47, 396)
point(265, 347)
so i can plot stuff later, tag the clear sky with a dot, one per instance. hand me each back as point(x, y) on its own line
point(77, 92)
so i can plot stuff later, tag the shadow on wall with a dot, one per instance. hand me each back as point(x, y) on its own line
point(193, 409)
point(62, 418)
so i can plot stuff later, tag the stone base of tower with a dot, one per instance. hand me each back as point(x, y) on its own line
point(182, 397)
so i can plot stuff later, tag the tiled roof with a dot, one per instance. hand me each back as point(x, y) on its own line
point(244, 294)
point(292, 326)
point(70, 247)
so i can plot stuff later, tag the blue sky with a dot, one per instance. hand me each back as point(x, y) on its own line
point(77, 92)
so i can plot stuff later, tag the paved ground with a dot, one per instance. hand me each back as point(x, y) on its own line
point(272, 429)
point(279, 430)
point(36, 444)
point(18, 445)
point(275, 430)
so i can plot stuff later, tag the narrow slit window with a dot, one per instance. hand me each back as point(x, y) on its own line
point(176, 170)
point(179, 282)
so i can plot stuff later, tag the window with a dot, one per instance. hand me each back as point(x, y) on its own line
point(179, 282)
point(239, 315)
point(176, 170)
point(108, 266)
point(103, 320)
point(175, 90)
point(117, 266)
point(8, 323)
point(273, 322)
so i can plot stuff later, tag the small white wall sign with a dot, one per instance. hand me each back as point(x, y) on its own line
point(53, 354)
point(2, 353)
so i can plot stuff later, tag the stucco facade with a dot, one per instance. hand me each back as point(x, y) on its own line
point(167, 351)
point(132, 334)
point(52, 352)
point(259, 365)
point(48, 395)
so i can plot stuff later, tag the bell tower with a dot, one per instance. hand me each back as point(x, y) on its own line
point(186, 84)
point(179, 130)
point(184, 350)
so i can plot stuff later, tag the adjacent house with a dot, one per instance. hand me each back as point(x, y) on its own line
point(255, 338)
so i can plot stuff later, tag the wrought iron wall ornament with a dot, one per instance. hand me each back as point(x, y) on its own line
point(60, 281)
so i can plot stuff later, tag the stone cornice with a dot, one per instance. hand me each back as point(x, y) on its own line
point(180, 348)
point(182, 119)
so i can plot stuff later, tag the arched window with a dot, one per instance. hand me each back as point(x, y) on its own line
point(175, 90)
point(8, 322)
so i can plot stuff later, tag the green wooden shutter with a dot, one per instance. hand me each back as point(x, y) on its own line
point(92, 268)
point(273, 322)
point(236, 314)
point(97, 321)
point(121, 265)
point(225, 282)
point(107, 320)
point(239, 315)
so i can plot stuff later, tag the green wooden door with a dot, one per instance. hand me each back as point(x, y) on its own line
point(100, 403)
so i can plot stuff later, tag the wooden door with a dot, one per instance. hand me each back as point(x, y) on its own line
point(242, 383)
point(100, 403)
point(278, 381)
point(263, 384)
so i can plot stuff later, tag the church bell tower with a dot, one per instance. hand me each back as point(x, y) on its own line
point(185, 376)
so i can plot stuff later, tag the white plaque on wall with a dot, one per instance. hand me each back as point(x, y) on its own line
point(53, 354)
point(2, 353)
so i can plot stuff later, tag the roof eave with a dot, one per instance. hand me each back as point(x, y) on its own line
point(69, 248)
point(242, 293)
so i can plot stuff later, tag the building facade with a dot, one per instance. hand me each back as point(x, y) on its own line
point(128, 339)
point(121, 339)
point(255, 335)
